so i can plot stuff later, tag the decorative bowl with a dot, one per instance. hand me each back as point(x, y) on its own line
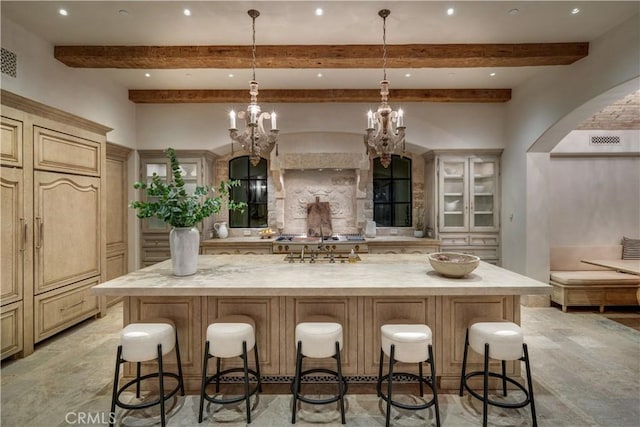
point(451, 206)
point(453, 264)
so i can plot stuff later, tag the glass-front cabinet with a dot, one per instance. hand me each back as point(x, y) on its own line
point(468, 197)
point(465, 201)
point(196, 168)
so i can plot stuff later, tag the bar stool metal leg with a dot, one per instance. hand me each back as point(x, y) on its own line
point(245, 359)
point(530, 384)
point(114, 396)
point(464, 363)
point(504, 377)
point(161, 385)
point(391, 361)
point(381, 362)
point(296, 382)
point(341, 390)
point(204, 379)
point(485, 395)
point(255, 353)
point(434, 380)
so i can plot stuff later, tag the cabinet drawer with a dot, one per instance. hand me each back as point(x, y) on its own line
point(11, 329)
point(161, 241)
point(585, 297)
point(483, 240)
point(155, 254)
point(61, 308)
point(11, 144)
point(59, 152)
point(237, 250)
point(454, 240)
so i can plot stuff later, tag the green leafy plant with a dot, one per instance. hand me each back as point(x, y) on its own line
point(171, 203)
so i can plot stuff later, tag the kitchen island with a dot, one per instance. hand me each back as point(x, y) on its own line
point(278, 294)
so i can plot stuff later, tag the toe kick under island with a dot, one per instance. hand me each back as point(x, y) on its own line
point(362, 296)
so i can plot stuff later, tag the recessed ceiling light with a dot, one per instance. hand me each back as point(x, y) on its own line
point(319, 74)
point(407, 75)
point(451, 11)
point(63, 12)
point(231, 75)
point(123, 12)
point(575, 11)
point(319, 12)
point(147, 74)
point(188, 74)
point(492, 74)
point(186, 12)
point(514, 11)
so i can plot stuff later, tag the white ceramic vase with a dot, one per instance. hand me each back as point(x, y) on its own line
point(184, 243)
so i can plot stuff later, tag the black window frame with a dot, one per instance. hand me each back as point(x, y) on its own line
point(245, 182)
point(391, 199)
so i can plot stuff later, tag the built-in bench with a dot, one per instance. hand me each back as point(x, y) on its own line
point(576, 283)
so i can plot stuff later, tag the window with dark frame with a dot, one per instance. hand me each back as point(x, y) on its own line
point(252, 190)
point(392, 193)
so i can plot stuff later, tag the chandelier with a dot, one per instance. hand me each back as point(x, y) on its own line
point(385, 127)
point(254, 138)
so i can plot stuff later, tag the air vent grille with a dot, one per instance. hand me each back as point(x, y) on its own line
point(9, 63)
point(605, 140)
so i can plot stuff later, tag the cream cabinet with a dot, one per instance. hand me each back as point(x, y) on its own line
point(117, 213)
point(197, 169)
point(53, 229)
point(466, 201)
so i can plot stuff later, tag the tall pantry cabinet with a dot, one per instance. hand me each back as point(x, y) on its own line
point(53, 229)
point(465, 201)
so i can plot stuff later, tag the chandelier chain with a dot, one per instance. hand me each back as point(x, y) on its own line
point(253, 50)
point(384, 48)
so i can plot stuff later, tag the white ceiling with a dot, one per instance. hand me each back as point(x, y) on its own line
point(294, 22)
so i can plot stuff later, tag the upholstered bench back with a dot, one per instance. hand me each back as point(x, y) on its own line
point(563, 258)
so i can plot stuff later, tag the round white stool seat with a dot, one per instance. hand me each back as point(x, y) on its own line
point(411, 342)
point(505, 339)
point(319, 338)
point(140, 340)
point(227, 334)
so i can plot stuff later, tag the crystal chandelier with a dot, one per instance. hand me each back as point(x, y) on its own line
point(385, 127)
point(254, 138)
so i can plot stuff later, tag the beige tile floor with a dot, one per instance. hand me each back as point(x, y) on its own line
point(586, 371)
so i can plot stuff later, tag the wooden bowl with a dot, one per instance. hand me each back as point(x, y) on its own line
point(453, 264)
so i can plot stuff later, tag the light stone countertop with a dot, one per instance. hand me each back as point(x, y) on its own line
point(271, 275)
point(377, 239)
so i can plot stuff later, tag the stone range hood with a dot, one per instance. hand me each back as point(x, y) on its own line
point(338, 178)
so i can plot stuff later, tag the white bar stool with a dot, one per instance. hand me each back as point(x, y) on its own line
point(318, 339)
point(227, 337)
point(499, 341)
point(407, 343)
point(141, 342)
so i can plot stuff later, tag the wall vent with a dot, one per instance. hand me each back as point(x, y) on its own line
point(9, 63)
point(605, 140)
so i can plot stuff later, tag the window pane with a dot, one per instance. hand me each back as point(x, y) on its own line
point(189, 170)
point(401, 191)
point(257, 216)
point(401, 167)
point(258, 191)
point(402, 215)
point(380, 171)
point(239, 193)
point(158, 168)
point(238, 168)
point(260, 170)
point(382, 214)
point(382, 191)
point(238, 219)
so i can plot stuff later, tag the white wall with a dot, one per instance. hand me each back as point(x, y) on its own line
point(535, 108)
point(429, 125)
point(42, 78)
point(586, 208)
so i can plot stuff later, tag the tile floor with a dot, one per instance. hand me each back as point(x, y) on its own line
point(586, 371)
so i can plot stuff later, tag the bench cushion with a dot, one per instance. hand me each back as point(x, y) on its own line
point(594, 278)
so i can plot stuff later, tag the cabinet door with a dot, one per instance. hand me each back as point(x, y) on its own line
point(13, 237)
point(483, 191)
point(11, 142)
point(453, 194)
point(161, 168)
point(67, 226)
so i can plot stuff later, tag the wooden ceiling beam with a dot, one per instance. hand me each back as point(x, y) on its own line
point(319, 95)
point(323, 56)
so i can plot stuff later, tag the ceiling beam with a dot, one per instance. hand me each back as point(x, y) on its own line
point(319, 95)
point(323, 56)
